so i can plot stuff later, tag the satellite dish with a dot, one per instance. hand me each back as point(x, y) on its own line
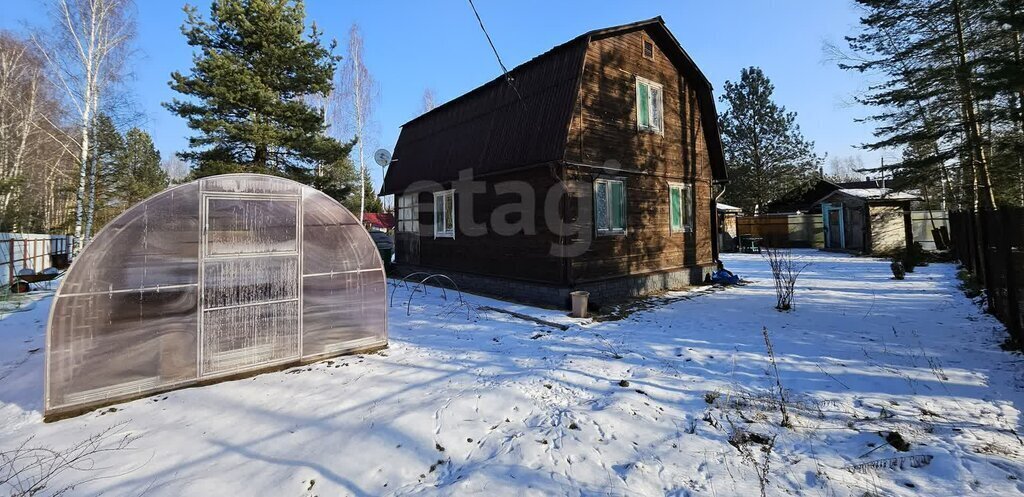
point(383, 157)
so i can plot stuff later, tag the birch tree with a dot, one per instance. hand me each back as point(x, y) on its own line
point(86, 49)
point(359, 92)
point(34, 152)
point(429, 101)
point(20, 76)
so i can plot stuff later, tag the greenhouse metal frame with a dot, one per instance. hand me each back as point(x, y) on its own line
point(222, 277)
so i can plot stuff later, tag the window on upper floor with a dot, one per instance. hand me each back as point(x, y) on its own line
point(649, 106)
point(648, 49)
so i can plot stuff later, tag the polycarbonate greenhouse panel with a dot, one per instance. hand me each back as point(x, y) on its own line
point(224, 276)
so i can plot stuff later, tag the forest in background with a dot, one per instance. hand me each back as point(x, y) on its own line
point(73, 149)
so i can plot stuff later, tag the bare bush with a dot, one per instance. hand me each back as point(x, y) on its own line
point(786, 422)
point(785, 271)
point(27, 470)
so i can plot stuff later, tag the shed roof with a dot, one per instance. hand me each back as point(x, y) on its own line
point(874, 195)
point(879, 194)
point(506, 124)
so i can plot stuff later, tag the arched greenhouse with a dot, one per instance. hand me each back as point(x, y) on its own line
point(220, 277)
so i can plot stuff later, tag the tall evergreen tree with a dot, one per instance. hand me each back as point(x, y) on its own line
point(107, 147)
point(371, 202)
point(946, 71)
point(139, 173)
point(254, 66)
point(765, 152)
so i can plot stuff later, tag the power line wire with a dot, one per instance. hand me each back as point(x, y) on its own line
point(504, 70)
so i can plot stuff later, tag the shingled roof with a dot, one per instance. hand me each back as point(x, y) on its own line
point(496, 127)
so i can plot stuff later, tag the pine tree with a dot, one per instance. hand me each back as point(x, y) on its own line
point(139, 173)
point(254, 66)
point(765, 152)
point(946, 68)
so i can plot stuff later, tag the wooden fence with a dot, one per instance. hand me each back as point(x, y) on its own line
point(806, 230)
point(783, 230)
point(995, 256)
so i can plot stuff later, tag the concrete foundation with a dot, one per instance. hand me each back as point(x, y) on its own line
point(602, 292)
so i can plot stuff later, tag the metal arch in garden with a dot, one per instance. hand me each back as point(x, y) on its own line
point(405, 280)
point(440, 277)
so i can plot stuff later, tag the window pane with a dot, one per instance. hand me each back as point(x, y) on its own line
point(438, 214)
point(656, 108)
point(618, 206)
point(643, 103)
point(674, 208)
point(688, 207)
point(601, 205)
point(449, 212)
point(244, 226)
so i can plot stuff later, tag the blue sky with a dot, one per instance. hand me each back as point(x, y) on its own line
point(413, 45)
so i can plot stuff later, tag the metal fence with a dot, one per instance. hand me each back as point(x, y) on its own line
point(995, 255)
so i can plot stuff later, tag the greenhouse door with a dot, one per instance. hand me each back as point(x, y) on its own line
point(250, 278)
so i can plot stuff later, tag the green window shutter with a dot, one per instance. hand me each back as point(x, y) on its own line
point(644, 104)
point(675, 211)
point(618, 206)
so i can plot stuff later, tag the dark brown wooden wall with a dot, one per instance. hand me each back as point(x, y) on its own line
point(604, 131)
point(522, 256)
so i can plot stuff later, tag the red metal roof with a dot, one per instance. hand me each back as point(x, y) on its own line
point(382, 220)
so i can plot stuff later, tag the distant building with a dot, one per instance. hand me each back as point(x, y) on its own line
point(871, 216)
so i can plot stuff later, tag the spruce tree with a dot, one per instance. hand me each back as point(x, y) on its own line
point(139, 173)
point(107, 147)
point(371, 202)
point(254, 67)
point(766, 155)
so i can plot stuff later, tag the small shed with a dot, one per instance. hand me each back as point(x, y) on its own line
point(727, 230)
point(868, 220)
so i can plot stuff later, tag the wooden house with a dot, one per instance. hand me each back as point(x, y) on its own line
point(592, 169)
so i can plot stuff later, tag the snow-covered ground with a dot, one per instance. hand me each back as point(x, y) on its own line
point(468, 402)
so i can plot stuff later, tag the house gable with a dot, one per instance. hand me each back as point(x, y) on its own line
point(604, 127)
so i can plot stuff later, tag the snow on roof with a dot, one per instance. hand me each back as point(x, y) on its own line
point(878, 194)
point(727, 207)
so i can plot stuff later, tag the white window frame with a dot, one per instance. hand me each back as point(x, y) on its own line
point(650, 106)
point(444, 232)
point(686, 206)
point(407, 213)
point(608, 207)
